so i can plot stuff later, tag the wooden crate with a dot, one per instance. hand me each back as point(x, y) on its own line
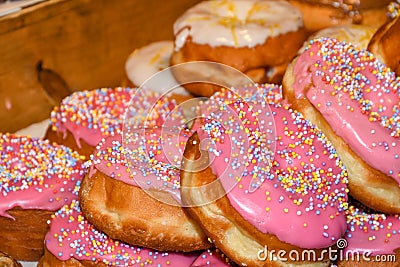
point(85, 42)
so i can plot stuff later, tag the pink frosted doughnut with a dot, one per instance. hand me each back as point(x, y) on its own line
point(355, 100)
point(73, 240)
point(36, 179)
point(85, 117)
point(212, 258)
point(298, 202)
point(132, 191)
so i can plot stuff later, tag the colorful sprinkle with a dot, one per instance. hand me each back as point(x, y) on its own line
point(298, 168)
point(35, 174)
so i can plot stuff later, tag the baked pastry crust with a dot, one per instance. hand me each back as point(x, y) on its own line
point(366, 184)
point(128, 213)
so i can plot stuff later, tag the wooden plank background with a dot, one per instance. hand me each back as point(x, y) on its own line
point(85, 42)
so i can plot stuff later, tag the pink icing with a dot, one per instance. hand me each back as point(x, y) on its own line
point(372, 233)
point(72, 236)
point(93, 115)
point(36, 175)
point(358, 96)
point(210, 258)
point(149, 159)
point(302, 194)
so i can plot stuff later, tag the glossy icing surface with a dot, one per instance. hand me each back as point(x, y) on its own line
point(351, 5)
point(92, 115)
point(358, 96)
point(72, 236)
point(372, 233)
point(148, 153)
point(35, 174)
point(148, 67)
point(150, 159)
point(303, 189)
point(236, 23)
point(212, 258)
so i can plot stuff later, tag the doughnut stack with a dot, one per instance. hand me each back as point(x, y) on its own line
point(294, 162)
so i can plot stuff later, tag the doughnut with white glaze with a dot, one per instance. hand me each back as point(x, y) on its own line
point(385, 44)
point(250, 36)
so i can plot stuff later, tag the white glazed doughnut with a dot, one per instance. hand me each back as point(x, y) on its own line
point(236, 23)
point(253, 37)
point(320, 14)
point(147, 61)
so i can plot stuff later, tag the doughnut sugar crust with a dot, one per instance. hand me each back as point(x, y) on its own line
point(113, 201)
point(282, 213)
point(250, 36)
point(36, 178)
point(354, 99)
point(73, 241)
point(335, 12)
point(385, 42)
